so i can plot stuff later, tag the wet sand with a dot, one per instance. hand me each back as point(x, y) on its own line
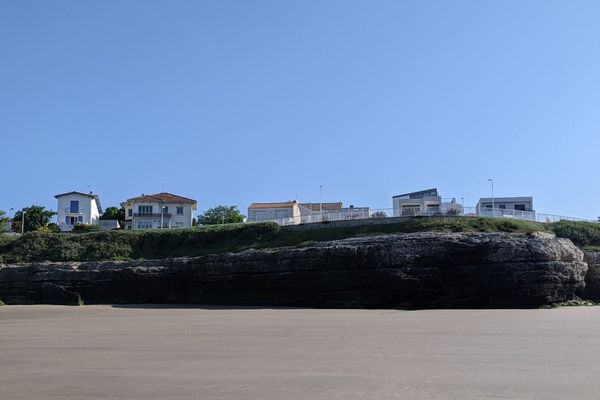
point(104, 352)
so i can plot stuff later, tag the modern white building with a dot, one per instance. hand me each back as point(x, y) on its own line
point(288, 210)
point(77, 208)
point(164, 210)
point(417, 203)
point(505, 203)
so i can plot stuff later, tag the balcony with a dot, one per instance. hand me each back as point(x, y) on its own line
point(73, 211)
point(143, 215)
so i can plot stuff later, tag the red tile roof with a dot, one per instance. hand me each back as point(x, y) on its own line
point(163, 198)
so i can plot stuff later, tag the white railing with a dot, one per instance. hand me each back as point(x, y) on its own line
point(444, 210)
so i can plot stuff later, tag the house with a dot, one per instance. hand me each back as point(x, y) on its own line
point(416, 203)
point(289, 211)
point(311, 212)
point(164, 210)
point(505, 203)
point(77, 208)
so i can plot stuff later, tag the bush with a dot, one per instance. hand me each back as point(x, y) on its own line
point(84, 228)
point(580, 232)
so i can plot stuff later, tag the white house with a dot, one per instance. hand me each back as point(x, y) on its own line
point(77, 208)
point(506, 203)
point(288, 210)
point(156, 210)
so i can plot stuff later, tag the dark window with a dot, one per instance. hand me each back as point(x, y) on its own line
point(502, 206)
point(130, 213)
point(520, 207)
point(488, 206)
point(74, 206)
point(145, 210)
point(179, 210)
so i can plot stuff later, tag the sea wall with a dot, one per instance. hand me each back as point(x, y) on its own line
point(419, 270)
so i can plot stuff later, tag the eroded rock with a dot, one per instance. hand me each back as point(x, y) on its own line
point(399, 270)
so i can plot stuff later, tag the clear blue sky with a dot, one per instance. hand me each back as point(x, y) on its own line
point(232, 102)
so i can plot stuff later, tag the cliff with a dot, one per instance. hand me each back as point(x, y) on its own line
point(398, 270)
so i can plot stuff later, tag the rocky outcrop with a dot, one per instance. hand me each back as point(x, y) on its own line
point(591, 291)
point(399, 270)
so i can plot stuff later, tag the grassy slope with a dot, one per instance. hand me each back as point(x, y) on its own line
point(115, 245)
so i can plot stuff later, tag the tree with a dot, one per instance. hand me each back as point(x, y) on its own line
point(3, 221)
point(114, 213)
point(35, 218)
point(221, 215)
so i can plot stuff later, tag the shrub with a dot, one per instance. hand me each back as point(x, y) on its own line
point(580, 232)
point(84, 228)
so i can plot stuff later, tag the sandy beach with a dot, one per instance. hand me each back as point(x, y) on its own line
point(135, 352)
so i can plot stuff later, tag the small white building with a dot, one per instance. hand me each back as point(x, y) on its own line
point(77, 208)
point(505, 203)
point(288, 211)
point(164, 210)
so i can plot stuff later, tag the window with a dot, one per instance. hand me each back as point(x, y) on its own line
point(179, 210)
point(67, 220)
point(502, 206)
point(144, 224)
point(520, 207)
point(74, 206)
point(129, 212)
point(488, 206)
point(144, 210)
point(80, 219)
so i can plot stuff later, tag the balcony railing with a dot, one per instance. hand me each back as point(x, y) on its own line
point(158, 215)
point(69, 210)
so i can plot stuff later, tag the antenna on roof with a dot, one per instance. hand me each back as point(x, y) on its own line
point(163, 186)
point(89, 188)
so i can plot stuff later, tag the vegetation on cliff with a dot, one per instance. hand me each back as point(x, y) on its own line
point(115, 245)
point(153, 244)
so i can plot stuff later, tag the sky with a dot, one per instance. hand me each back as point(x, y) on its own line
point(233, 102)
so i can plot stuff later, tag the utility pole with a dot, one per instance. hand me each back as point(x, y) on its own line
point(321, 200)
point(492, 182)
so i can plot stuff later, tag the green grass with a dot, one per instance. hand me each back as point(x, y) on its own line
point(153, 244)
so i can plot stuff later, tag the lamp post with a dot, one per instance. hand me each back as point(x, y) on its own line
point(492, 182)
point(321, 199)
point(162, 213)
point(22, 222)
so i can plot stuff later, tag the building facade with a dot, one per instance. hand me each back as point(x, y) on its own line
point(77, 208)
point(416, 203)
point(288, 210)
point(486, 204)
point(161, 210)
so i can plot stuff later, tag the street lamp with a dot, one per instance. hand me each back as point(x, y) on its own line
point(321, 200)
point(22, 222)
point(162, 211)
point(492, 182)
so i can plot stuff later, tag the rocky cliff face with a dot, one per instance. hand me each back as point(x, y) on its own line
point(400, 270)
point(591, 291)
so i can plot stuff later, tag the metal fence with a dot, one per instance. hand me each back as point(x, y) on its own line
point(445, 209)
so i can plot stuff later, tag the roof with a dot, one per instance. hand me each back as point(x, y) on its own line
point(418, 193)
point(287, 204)
point(93, 196)
point(326, 206)
point(162, 198)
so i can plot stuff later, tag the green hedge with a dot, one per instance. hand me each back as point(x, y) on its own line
point(581, 233)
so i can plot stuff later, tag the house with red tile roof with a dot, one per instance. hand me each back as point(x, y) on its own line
point(160, 210)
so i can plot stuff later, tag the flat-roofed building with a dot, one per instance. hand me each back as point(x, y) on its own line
point(415, 203)
point(288, 210)
point(506, 203)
